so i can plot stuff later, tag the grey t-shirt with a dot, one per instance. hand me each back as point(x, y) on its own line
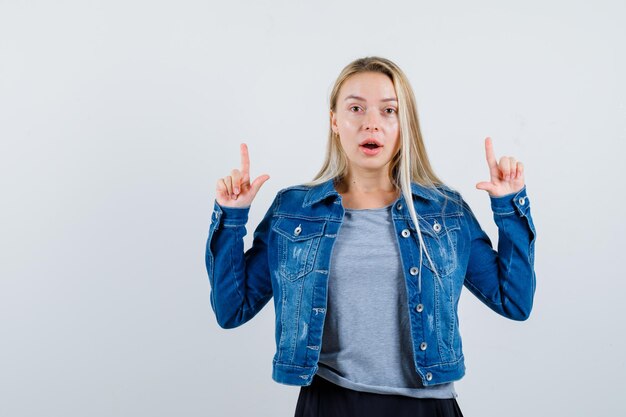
point(366, 343)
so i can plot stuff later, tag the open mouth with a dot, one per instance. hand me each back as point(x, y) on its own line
point(370, 146)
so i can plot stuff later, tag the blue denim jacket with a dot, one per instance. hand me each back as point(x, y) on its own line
point(290, 256)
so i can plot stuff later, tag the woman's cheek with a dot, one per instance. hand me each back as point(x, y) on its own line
point(350, 123)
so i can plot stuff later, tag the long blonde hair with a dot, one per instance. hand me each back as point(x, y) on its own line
point(410, 164)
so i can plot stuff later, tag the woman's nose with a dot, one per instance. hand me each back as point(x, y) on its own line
point(371, 121)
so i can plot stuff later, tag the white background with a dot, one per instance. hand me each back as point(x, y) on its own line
point(118, 117)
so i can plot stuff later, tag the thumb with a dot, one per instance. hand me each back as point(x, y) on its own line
point(485, 185)
point(258, 182)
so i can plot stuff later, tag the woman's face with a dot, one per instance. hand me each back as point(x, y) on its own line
point(366, 119)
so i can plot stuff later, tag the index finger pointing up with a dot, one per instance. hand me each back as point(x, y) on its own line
point(245, 161)
point(491, 158)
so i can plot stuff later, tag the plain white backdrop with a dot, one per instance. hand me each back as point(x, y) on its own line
point(118, 117)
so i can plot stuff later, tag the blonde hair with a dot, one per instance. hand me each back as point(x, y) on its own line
point(410, 164)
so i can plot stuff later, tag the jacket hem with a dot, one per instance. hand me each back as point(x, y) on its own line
point(292, 374)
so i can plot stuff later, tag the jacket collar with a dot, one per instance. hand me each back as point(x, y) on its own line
point(326, 189)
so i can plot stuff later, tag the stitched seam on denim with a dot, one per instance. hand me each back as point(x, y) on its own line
point(437, 317)
point(531, 251)
point(281, 340)
point(452, 319)
point(288, 365)
point(297, 187)
point(314, 349)
point(312, 254)
point(210, 260)
point(279, 197)
point(290, 215)
point(410, 252)
point(452, 237)
point(208, 254)
point(504, 213)
point(232, 267)
point(294, 340)
point(282, 256)
point(446, 363)
point(423, 216)
point(504, 282)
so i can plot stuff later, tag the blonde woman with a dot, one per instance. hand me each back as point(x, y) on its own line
point(366, 263)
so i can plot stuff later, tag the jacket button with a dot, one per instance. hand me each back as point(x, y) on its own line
point(423, 346)
point(406, 233)
point(413, 270)
point(297, 230)
point(399, 206)
point(522, 201)
point(419, 308)
point(436, 227)
point(429, 376)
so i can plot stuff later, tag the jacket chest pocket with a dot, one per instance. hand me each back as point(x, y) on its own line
point(440, 235)
point(298, 241)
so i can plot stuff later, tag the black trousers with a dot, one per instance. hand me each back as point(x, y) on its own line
point(324, 399)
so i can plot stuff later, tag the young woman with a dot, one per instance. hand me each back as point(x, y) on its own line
point(366, 263)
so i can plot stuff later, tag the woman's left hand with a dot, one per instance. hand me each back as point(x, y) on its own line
point(507, 176)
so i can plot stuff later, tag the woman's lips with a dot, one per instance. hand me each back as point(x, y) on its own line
point(370, 151)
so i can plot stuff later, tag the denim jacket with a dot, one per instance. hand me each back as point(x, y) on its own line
point(290, 256)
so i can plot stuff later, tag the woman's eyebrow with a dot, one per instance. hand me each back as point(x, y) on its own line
point(362, 99)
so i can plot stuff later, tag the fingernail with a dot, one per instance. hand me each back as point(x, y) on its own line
point(236, 190)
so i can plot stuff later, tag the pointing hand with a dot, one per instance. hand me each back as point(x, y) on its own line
point(507, 176)
point(236, 190)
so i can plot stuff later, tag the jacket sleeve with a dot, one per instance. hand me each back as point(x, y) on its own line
point(504, 280)
point(240, 282)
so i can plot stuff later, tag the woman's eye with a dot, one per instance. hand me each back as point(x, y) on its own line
point(390, 111)
point(352, 109)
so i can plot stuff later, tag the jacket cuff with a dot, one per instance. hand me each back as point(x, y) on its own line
point(230, 216)
point(511, 203)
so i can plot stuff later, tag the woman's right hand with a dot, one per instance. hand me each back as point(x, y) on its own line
point(235, 190)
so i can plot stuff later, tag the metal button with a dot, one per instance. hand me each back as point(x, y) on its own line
point(436, 227)
point(522, 201)
point(297, 230)
point(414, 270)
point(429, 376)
point(406, 233)
point(423, 346)
point(419, 308)
point(399, 206)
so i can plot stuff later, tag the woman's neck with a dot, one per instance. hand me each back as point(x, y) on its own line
point(364, 192)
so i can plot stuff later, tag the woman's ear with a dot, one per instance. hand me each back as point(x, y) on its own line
point(333, 122)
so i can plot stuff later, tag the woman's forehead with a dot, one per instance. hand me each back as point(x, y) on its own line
point(368, 86)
